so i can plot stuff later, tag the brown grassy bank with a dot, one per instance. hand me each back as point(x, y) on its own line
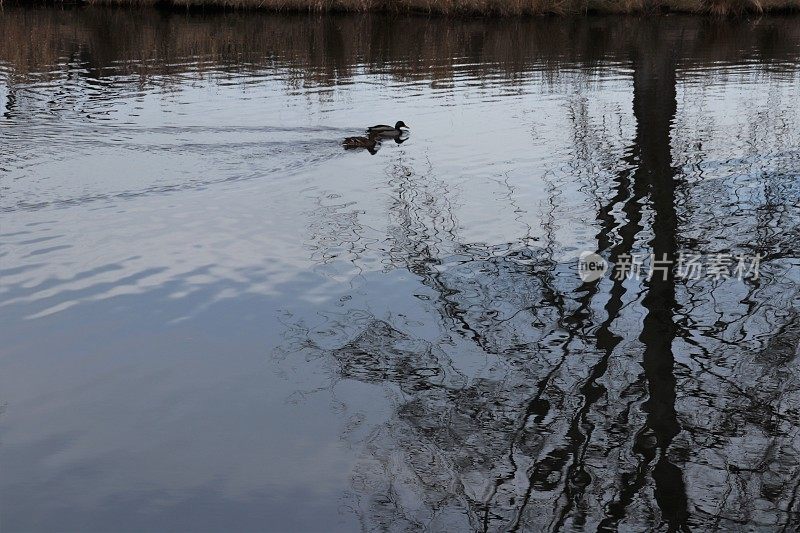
point(329, 50)
point(489, 7)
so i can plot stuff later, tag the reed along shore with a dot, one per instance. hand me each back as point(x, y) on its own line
point(487, 7)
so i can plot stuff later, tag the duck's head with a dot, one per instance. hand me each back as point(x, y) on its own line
point(400, 124)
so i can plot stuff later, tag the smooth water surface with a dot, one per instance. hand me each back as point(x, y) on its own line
point(212, 317)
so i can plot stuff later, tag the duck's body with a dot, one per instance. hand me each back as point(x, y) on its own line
point(371, 143)
point(360, 142)
point(385, 130)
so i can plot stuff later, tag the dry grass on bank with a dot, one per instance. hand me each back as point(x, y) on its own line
point(489, 7)
point(146, 46)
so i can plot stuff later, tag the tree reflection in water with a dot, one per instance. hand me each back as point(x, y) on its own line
point(663, 404)
point(537, 402)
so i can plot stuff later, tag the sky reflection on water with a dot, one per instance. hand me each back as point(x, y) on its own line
point(213, 317)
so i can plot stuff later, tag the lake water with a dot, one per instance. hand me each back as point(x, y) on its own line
point(214, 318)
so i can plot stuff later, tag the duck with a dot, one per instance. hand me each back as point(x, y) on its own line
point(370, 143)
point(388, 131)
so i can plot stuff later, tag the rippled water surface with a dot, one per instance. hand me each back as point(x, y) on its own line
point(215, 318)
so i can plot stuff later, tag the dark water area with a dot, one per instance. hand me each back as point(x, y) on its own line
point(214, 318)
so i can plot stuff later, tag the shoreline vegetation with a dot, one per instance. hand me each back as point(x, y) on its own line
point(149, 46)
point(506, 8)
